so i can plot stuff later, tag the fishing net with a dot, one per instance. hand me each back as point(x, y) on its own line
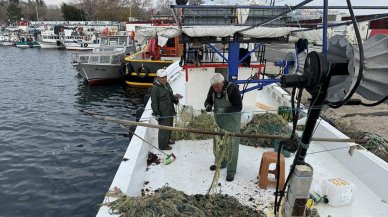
point(203, 120)
point(265, 124)
point(220, 153)
point(374, 143)
point(189, 120)
point(167, 201)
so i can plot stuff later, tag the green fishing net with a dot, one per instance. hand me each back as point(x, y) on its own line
point(265, 124)
point(169, 202)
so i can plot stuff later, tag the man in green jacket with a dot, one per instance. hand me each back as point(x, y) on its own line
point(162, 104)
point(225, 97)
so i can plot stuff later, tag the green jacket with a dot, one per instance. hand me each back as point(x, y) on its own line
point(163, 100)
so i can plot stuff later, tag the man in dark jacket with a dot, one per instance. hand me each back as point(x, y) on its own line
point(162, 104)
point(225, 97)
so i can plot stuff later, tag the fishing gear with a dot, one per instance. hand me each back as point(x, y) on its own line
point(169, 157)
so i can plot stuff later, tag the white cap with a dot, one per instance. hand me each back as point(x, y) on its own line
point(161, 73)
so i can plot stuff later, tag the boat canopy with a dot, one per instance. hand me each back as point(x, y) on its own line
point(142, 35)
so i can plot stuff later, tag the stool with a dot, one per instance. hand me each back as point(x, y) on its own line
point(268, 158)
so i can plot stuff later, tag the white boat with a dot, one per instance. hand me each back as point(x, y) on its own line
point(106, 62)
point(80, 43)
point(190, 171)
point(8, 38)
point(49, 40)
point(5, 40)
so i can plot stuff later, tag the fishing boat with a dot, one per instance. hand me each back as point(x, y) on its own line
point(51, 41)
point(159, 52)
point(78, 39)
point(27, 43)
point(352, 179)
point(106, 62)
point(5, 40)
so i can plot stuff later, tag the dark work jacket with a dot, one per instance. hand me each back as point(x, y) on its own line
point(162, 100)
point(233, 96)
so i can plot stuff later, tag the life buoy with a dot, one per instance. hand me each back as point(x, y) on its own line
point(142, 69)
point(85, 44)
point(129, 69)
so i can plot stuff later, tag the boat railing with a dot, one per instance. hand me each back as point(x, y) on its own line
point(93, 58)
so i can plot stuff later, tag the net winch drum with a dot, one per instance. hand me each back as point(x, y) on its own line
point(344, 59)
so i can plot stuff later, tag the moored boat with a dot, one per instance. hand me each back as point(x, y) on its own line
point(51, 41)
point(27, 44)
point(352, 173)
point(106, 62)
point(141, 67)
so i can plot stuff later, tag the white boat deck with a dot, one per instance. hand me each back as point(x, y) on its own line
point(190, 171)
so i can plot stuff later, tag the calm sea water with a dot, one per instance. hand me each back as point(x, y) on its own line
point(54, 159)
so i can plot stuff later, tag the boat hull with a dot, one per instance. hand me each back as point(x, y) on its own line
point(33, 44)
point(96, 74)
point(52, 45)
point(6, 43)
point(80, 46)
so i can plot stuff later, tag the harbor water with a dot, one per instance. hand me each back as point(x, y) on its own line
point(55, 159)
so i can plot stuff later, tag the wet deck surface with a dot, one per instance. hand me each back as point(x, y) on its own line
point(190, 173)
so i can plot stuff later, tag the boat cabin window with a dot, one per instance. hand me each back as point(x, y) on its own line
point(121, 49)
point(83, 59)
point(171, 42)
point(104, 41)
point(109, 49)
point(122, 41)
point(94, 59)
point(104, 59)
point(116, 59)
point(114, 41)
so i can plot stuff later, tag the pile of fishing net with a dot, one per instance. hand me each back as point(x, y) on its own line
point(169, 202)
point(261, 124)
point(265, 124)
point(202, 121)
point(374, 143)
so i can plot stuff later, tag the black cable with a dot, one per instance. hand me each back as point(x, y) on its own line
point(295, 113)
point(375, 103)
point(361, 65)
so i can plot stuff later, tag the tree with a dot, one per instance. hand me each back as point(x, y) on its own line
point(14, 11)
point(164, 7)
point(72, 13)
point(53, 14)
point(3, 12)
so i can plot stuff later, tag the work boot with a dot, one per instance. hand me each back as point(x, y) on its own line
point(166, 148)
point(229, 177)
point(213, 167)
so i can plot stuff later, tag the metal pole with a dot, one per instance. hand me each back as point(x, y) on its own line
point(380, 7)
point(291, 8)
point(234, 58)
point(324, 29)
point(373, 17)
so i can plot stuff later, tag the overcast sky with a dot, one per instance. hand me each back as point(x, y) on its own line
point(289, 2)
